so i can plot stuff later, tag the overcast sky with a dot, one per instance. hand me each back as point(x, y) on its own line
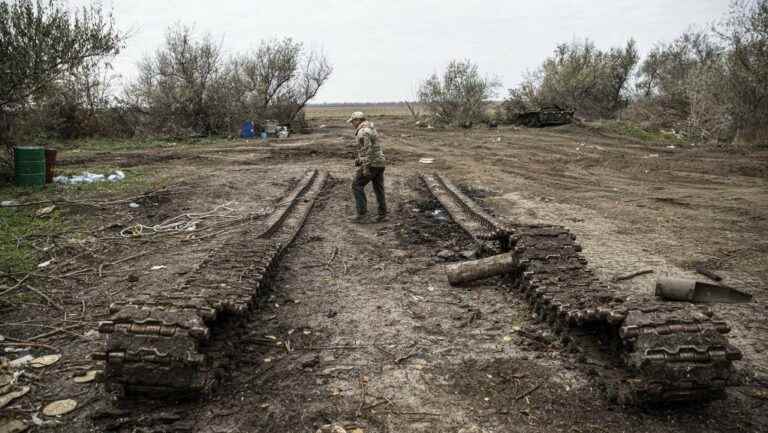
point(380, 50)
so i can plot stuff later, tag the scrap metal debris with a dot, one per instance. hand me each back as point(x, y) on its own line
point(60, 407)
point(683, 289)
point(88, 377)
point(331, 428)
point(45, 264)
point(20, 362)
point(45, 211)
point(632, 275)
point(45, 361)
point(12, 426)
point(344, 427)
point(707, 273)
point(5, 399)
point(39, 422)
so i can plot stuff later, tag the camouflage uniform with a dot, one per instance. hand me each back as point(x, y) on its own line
point(370, 162)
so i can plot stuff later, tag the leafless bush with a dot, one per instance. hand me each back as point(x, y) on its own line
point(181, 87)
point(414, 110)
point(460, 97)
point(189, 87)
point(313, 71)
point(262, 74)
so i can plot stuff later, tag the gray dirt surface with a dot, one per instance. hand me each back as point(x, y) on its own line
point(361, 327)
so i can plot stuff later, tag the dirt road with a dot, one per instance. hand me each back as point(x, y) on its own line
point(361, 327)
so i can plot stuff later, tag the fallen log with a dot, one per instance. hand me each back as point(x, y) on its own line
point(464, 272)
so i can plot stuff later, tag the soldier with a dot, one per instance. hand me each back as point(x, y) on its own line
point(370, 167)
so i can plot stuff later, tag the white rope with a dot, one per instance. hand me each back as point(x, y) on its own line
point(187, 222)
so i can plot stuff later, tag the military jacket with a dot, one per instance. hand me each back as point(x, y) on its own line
point(369, 149)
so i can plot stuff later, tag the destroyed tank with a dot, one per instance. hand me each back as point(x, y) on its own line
point(667, 352)
point(156, 341)
point(549, 115)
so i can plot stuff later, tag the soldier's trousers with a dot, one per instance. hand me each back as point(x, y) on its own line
point(376, 176)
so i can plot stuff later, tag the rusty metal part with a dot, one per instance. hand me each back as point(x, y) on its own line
point(684, 289)
point(155, 341)
point(546, 116)
point(632, 275)
point(707, 273)
point(669, 351)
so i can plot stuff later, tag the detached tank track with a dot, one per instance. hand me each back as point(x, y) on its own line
point(155, 341)
point(669, 351)
point(465, 212)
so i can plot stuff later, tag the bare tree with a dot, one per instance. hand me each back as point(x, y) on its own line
point(40, 42)
point(263, 73)
point(190, 84)
point(314, 72)
point(619, 68)
point(180, 86)
point(278, 79)
point(460, 96)
point(414, 110)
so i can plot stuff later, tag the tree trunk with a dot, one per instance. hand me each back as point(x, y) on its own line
point(464, 272)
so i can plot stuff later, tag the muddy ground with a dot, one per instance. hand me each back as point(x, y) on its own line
point(376, 337)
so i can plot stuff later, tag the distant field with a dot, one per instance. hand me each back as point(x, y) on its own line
point(395, 109)
point(343, 111)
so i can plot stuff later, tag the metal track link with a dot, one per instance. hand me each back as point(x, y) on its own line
point(670, 351)
point(476, 221)
point(155, 341)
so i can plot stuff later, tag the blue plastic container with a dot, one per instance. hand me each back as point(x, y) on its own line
point(247, 131)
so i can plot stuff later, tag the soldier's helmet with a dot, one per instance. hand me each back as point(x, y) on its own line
point(357, 115)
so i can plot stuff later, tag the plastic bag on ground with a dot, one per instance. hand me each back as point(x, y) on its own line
point(88, 177)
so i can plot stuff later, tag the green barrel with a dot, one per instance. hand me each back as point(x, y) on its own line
point(30, 166)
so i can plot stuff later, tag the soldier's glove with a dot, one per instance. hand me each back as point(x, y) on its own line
point(358, 163)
